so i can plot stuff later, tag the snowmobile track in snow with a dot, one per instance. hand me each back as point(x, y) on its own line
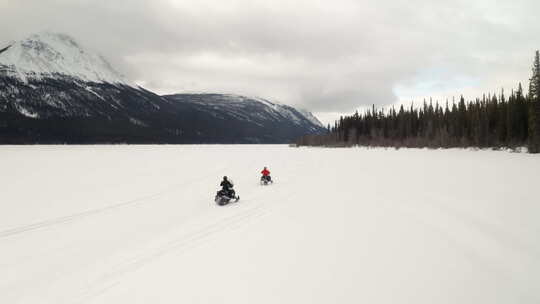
point(183, 243)
point(109, 279)
point(70, 218)
point(80, 215)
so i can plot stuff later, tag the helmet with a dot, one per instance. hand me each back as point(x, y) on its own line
point(225, 178)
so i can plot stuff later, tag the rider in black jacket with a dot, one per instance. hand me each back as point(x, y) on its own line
point(226, 187)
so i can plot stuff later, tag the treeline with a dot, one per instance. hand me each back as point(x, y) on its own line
point(495, 120)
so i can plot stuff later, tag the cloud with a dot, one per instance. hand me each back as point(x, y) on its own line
point(326, 56)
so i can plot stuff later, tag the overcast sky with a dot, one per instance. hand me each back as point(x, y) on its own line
point(326, 56)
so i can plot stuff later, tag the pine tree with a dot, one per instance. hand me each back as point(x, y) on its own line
point(534, 86)
point(534, 106)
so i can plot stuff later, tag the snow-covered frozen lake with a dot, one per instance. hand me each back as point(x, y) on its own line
point(137, 224)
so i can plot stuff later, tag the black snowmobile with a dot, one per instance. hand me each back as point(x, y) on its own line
point(265, 180)
point(223, 197)
point(226, 194)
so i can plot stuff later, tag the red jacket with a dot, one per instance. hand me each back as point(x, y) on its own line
point(265, 172)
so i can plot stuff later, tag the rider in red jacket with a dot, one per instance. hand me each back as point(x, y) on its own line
point(266, 174)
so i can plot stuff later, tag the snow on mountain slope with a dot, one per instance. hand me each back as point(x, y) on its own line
point(311, 117)
point(285, 110)
point(51, 55)
point(140, 226)
point(256, 110)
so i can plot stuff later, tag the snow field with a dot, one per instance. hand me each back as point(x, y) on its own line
point(137, 224)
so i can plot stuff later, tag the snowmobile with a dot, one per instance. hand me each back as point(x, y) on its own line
point(224, 197)
point(265, 180)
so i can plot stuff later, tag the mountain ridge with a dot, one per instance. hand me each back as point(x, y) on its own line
point(54, 91)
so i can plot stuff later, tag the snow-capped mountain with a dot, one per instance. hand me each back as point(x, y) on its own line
point(54, 90)
point(48, 55)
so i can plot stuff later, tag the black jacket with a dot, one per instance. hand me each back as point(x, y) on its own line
point(225, 184)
